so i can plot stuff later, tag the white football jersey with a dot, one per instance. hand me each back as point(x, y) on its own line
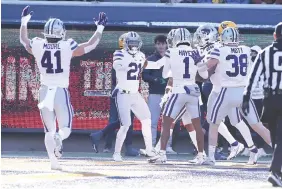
point(53, 60)
point(182, 67)
point(128, 68)
point(206, 51)
point(232, 66)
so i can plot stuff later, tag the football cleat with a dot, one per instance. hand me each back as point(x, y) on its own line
point(55, 165)
point(147, 153)
point(246, 152)
point(169, 150)
point(117, 157)
point(58, 151)
point(159, 157)
point(235, 150)
point(253, 158)
point(209, 162)
point(195, 160)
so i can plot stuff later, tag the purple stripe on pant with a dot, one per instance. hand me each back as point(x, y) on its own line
point(254, 107)
point(168, 104)
point(68, 105)
point(216, 112)
point(171, 108)
point(216, 103)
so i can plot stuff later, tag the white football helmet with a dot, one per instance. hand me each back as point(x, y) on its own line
point(169, 38)
point(230, 36)
point(132, 42)
point(54, 28)
point(181, 35)
point(205, 34)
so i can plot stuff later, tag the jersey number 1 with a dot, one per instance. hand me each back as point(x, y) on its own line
point(186, 74)
point(46, 62)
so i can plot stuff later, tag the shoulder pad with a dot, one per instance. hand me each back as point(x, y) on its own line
point(167, 53)
point(118, 53)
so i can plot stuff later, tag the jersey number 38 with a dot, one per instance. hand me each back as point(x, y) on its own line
point(46, 62)
point(239, 64)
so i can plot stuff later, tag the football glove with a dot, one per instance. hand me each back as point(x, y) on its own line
point(245, 105)
point(197, 57)
point(26, 15)
point(164, 99)
point(102, 20)
point(193, 91)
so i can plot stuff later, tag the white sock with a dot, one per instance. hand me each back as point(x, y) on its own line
point(121, 134)
point(50, 146)
point(194, 138)
point(211, 152)
point(169, 143)
point(64, 132)
point(147, 134)
point(245, 132)
point(223, 130)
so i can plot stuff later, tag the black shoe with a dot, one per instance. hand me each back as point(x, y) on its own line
point(275, 179)
point(95, 138)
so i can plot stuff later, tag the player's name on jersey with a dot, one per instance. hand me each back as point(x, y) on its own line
point(185, 53)
point(51, 46)
point(237, 50)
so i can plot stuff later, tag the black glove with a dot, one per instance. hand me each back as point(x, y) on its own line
point(245, 105)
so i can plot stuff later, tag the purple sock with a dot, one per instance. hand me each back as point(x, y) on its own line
point(234, 143)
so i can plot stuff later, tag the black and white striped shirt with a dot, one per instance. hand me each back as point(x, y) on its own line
point(268, 64)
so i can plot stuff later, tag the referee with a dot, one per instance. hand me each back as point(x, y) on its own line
point(269, 64)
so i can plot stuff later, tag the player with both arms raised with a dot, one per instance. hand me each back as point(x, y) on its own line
point(53, 56)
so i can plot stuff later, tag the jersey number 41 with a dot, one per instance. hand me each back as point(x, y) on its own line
point(47, 63)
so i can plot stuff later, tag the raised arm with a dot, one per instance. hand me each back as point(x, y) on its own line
point(95, 39)
point(25, 41)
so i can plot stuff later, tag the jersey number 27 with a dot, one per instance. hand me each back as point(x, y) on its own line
point(46, 62)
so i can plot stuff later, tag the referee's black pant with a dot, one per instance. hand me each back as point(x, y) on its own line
point(273, 116)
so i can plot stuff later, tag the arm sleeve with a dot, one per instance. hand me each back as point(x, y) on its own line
point(118, 61)
point(167, 66)
point(73, 44)
point(255, 73)
point(215, 53)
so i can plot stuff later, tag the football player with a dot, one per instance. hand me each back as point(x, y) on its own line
point(53, 55)
point(182, 64)
point(128, 64)
point(184, 115)
point(230, 62)
point(114, 122)
point(206, 45)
